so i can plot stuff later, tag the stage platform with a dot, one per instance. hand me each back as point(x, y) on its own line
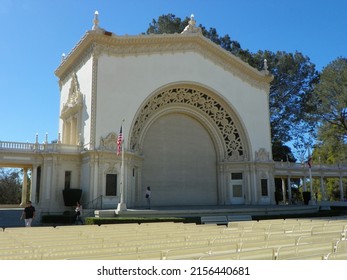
point(199, 211)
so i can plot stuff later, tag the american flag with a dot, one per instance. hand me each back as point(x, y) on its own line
point(119, 141)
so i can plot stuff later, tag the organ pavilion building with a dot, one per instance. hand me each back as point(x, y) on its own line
point(195, 124)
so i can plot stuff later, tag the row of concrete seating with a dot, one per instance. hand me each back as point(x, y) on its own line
point(224, 220)
point(322, 239)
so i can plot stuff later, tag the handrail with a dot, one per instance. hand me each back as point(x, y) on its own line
point(96, 203)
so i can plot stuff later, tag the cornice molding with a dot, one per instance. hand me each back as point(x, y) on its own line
point(97, 43)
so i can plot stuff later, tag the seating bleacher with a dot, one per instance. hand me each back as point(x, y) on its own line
point(315, 239)
point(257, 254)
point(319, 249)
point(337, 256)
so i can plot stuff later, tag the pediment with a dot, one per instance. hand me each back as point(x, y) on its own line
point(96, 43)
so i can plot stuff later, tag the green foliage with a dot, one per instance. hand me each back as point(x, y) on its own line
point(10, 186)
point(281, 152)
point(330, 102)
point(330, 147)
point(167, 24)
point(294, 80)
point(330, 98)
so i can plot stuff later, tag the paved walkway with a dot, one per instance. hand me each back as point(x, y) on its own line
point(10, 217)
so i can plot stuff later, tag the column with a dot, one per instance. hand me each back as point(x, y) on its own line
point(138, 190)
point(289, 191)
point(71, 133)
point(33, 184)
point(341, 189)
point(24, 187)
point(64, 132)
point(304, 184)
point(221, 197)
point(283, 190)
point(322, 188)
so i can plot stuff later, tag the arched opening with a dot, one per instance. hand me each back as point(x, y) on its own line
point(179, 162)
point(186, 136)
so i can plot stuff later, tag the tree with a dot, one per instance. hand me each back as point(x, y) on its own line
point(10, 186)
point(331, 149)
point(170, 24)
point(330, 98)
point(294, 80)
point(167, 24)
point(282, 152)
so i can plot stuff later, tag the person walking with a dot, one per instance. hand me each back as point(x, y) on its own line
point(148, 197)
point(28, 214)
point(78, 214)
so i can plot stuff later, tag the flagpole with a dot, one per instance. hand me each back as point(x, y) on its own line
point(310, 174)
point(122, 205)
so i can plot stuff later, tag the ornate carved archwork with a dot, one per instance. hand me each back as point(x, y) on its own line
point(209, 107)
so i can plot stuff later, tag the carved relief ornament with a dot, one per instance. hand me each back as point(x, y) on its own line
point(109, 142)
point(75, 99)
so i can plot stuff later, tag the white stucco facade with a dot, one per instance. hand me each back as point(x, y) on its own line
point(195, 121)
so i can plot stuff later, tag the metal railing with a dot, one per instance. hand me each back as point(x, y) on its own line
point(96, 203)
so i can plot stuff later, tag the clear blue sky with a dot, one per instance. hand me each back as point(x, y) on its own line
point(35, 33)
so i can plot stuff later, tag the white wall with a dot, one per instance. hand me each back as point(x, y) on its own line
point(84, 77)
point(125, 82)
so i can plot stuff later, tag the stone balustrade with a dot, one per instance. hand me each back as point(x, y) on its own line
point(36, 147)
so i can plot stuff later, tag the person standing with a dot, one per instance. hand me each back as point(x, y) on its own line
point(148, 197)
point(28, 214)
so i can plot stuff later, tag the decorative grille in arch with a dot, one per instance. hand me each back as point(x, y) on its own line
point(203, 103)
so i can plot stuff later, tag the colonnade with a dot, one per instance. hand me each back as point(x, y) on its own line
point(29, 189)
point(307, 186)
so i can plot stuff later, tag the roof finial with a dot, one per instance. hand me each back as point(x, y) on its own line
point(192, 21)
point(96, 20)
point(191, 27)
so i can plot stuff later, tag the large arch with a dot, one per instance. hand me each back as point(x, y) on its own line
point(183, 132)
point(179, 171)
